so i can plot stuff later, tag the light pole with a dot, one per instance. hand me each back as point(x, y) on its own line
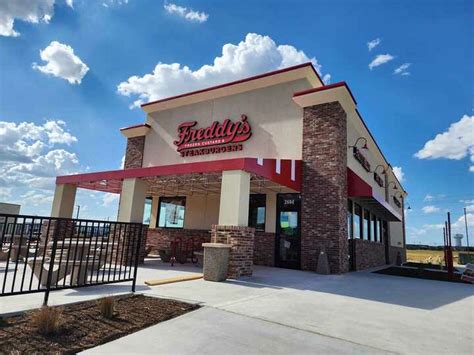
point(467, 232)
point(77, 213)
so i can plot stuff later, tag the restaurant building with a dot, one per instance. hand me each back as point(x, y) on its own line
point(279, 165)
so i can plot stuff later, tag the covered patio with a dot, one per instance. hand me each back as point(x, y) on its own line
point(214, 195)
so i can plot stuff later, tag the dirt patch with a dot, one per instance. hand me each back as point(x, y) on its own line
point(83, 327)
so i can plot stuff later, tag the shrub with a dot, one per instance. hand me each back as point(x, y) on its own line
point(107, 307)
point(46, 320)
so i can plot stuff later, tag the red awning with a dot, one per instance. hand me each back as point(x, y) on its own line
point(364, 194)
point(283, 172)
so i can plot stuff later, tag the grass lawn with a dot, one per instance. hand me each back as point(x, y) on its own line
point(423, 256)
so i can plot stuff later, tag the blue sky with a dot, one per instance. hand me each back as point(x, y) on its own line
point(62, 114)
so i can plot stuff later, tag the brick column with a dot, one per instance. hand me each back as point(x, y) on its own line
point(241, 253)
point(324, 187)
point(134, 152)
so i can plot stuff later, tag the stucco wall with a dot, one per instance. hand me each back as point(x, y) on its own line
point(275, 119)
point(355, 131)
point(201, 211)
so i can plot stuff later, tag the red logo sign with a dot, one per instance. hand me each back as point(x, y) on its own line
point(217, 134)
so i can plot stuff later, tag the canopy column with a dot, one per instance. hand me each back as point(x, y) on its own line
point(63, 202)
point(235, 195)
point(132, 200)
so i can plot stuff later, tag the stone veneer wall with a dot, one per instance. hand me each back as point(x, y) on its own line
point(241, 240)
point(160, 238)
point(264, 249)
point(324, 187)
point(368, 254)
point(134, 152)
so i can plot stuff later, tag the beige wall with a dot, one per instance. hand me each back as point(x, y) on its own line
point(396, 234)
point(354, 131)
point(275, 119)
point(201, 211)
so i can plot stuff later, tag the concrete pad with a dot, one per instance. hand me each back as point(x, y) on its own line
point(213, 331)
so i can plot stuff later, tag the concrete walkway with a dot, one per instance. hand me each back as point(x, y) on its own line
point(287, 311)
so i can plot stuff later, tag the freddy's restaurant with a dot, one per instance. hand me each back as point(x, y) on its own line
point(279, 165)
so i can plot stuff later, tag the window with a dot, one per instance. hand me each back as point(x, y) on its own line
point(350, 218)
point(367, 225)
point(375, 232)
point(147, 211)
point(172, 212)
point(257, 211)
point(357, 221)
point(380, 229)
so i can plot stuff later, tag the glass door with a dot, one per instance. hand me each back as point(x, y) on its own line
point(288, 231)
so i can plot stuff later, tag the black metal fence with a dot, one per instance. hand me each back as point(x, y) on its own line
point(40, 254)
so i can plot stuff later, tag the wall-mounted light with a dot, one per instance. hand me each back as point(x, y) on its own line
point(357, 141)
point(380, 166)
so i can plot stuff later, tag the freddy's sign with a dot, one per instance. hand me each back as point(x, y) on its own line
point(216, 138)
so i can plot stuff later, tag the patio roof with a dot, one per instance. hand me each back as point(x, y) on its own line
point(200, 177)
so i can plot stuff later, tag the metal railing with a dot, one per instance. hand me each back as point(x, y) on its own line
point(41, 254)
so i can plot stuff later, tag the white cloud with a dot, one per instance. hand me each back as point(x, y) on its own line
point(256, 54)
point(430, 197)
point(109, 199)
point(29, 158)
point(32, 11)
point(380, 59)
point(456, 143)
point(467, 201)
point(20, 142)
point(459, 225)
point(374, 43)
point(430, 209)
point(108, 3)
point(402, 69)
point(61, 62)
point(469, 208)
point(398, 172)
point(122, 162)
point(186, 13)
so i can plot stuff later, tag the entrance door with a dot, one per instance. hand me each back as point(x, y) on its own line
point(288, 231)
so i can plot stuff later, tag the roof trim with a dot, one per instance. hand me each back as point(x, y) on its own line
point(256, 77)
point(326, 87)
point(146, 125)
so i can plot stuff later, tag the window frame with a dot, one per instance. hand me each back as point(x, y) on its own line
point(160, 200)
point(360, 234)
point(252, 199)
point(368, 224)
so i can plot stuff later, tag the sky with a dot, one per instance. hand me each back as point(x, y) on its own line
point(73, 72)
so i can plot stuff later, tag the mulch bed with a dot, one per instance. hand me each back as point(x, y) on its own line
point(420, 273)
point(83, 327)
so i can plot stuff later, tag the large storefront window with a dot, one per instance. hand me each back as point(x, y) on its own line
point(375, 231)
point(257, 211)
point(147, 211)
point(367, 225)
point(172, 212)
point(357, 221)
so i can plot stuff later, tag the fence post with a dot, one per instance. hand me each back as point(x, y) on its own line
point(137, 257)
point(51, 263)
